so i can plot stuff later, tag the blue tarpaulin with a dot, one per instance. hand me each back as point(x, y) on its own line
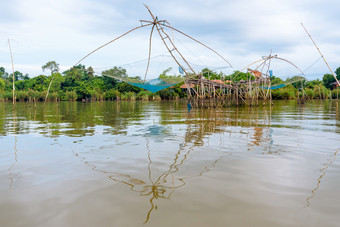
point(181, 71)
point(274, 87)
point(152, 85)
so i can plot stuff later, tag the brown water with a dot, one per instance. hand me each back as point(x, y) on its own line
point(155, 164)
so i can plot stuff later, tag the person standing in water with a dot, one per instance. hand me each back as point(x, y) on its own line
point(189, 107)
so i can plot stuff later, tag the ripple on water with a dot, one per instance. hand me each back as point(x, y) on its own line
point(155, 163)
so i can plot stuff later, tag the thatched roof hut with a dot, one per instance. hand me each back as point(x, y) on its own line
point(184, 86)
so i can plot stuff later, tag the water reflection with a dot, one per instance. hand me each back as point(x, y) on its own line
point(163, 147)
point(80, 119)
point(325, 165)
point(199, 127)
point(71, 118)
point(158, 185)
point(255, 124)
point(10, 169)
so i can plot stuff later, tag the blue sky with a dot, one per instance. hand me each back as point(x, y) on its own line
point(242, 31)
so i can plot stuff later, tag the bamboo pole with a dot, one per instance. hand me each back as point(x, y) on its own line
point(49, 86)
point(10, 49)
point(159, 29)
point(111, 42)
point(147, 67)
point(321, 55)
point(199, 43)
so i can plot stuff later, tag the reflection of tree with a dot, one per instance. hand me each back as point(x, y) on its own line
point(208, 122)
point(72, 118)
point(80, 119)
point(323, 173)
point(164, 185)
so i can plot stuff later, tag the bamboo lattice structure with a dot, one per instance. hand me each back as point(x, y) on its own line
point(202, 91)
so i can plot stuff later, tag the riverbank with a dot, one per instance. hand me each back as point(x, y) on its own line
point(285, 93)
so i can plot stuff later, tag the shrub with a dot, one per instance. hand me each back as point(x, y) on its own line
point(7, 95)
point(321, 92)
point(110, 94)
point(156, 97)
point(53, 96)
point(288, 92)
point(71, 95)
point(129, 96)
point(144, 95)
point(21, 96)
point(336, 93)
point(33, 95)
point(310, 93)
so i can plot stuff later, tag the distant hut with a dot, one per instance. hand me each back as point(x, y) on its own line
point(218, 81)
point(256, 73)
point(334, 84)
point(184, 86)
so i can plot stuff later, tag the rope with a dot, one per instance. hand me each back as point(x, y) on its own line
point(313, 64)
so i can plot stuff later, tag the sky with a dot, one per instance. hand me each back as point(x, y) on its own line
point(241, 31)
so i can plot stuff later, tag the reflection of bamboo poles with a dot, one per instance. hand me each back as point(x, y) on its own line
point(323, 173)
point(10, 170)
point(156, 189)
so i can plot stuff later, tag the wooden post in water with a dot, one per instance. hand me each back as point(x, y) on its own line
point(10, 49)
point(321, 55)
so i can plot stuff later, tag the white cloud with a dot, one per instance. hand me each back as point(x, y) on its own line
point(242, 31)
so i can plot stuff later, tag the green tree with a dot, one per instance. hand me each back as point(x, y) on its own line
point(57, 82)
point(90, 72)
point(73, 76)
point(2, 72)
point(52, 66)
point(337, 72)
point(125, 87)
point(313, 83)
point(327, 80)
point(238, 76)
point(2, 85)
point(275, 80)
point(17, 76)
point(83, 90)
point(209, 74)
point(109, 75)
point(299, 81)
point(38, 83)
point(20, 85)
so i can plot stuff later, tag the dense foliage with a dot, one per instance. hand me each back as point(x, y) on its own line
point(80, 83)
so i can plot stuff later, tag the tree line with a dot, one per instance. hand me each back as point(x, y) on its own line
point(80, 83)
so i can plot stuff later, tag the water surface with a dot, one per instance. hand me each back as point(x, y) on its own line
point(155, 164)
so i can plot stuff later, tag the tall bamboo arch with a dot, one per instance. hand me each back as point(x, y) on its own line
point(264, 60)
point(167, 41)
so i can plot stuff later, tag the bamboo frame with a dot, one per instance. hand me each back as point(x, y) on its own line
point(160, 24)
point(321, 54)
point(10, 49)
